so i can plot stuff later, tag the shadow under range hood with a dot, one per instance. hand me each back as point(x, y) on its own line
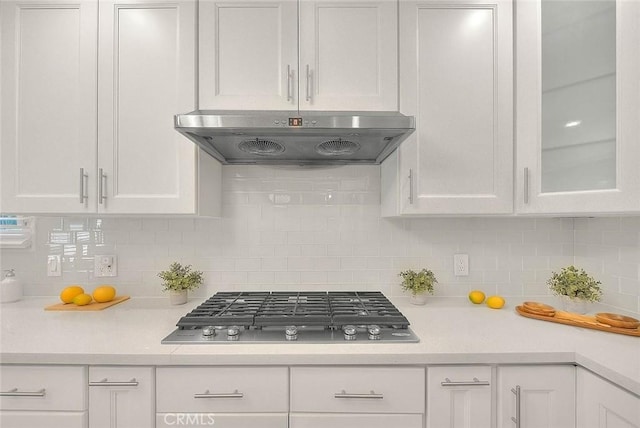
point(296, 138)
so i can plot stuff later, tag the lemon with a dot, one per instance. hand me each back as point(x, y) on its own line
point(495, 302)
point(476, 296)
point(70, 292)
point(104, 293)
point(82, 299)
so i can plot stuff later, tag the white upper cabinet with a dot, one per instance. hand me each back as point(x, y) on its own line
point(348, 55)
point(87, 139)
point(147, 58)
point(578, 97)
point(49, 117)
point(248, 54)
point(456, 79)
point(306, 55)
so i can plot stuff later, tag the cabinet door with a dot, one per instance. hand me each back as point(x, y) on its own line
point(459, 397)
point(577, 102)
point(456, 79)
point(147, 75)
point(320, 420)
point(601, 404)
point(348, 55)
point(121, 397)
point(48, 105)
point(248, 54)
point(536, 396)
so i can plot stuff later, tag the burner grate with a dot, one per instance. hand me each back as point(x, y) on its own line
point(364, 307)
point(225, 308)
point(294, 308)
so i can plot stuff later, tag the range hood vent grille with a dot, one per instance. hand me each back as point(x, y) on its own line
point(261, 147)
point(337, 147)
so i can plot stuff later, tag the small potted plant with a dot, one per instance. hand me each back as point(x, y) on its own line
point(575, 288)
point(419, 284)
point(178, 280)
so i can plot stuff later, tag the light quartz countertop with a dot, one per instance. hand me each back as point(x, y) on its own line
point(451, 331)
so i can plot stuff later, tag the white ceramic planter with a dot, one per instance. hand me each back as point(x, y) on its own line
point(178, 297)
point(418, 299)
point(577, 306)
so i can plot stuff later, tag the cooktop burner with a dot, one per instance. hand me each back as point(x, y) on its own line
point(311, 317)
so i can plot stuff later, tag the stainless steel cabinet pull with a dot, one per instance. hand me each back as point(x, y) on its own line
point(207, 394)
point(516, 392)
point(101, 193)
point(105, 382)
point(410, 186)
point(474, 382)
point(344, 394)
point(83, 177)
point(308, 84)
point(526, 186)
point(289, 82)
point(15, 393)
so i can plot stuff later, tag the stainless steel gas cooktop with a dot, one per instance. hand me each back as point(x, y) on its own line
point(290, 317)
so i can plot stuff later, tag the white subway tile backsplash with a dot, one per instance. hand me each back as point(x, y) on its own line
point(320, 228)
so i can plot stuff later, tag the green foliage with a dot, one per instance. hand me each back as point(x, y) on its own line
point(576, 284)
point(418, 283)
point(180, 277)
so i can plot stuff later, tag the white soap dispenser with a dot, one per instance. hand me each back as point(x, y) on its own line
point(10, 288)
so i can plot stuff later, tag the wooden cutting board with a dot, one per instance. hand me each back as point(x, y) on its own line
point(93, 306)
point(586, 321)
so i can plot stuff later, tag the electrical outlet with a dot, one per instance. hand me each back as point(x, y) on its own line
point(461, 264)
point(105, 265)
point(54, 265)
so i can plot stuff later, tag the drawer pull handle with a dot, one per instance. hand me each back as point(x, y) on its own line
point(207, 394)
point(344, 394)
point(105, 382)
point(15, 393)
point(475, 382)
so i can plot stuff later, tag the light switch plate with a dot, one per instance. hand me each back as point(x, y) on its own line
point(54, 265)
point(105, 265)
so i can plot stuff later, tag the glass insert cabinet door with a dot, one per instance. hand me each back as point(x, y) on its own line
point(577, 103)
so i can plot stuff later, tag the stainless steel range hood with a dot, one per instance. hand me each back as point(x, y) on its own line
point(299, 138)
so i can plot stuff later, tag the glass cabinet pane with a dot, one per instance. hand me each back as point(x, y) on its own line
point(578, 95)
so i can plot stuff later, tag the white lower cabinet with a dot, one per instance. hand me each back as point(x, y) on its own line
point(536, 396)
point(459, 396)
point(225, 397)
point(350, 397)
point(600, 404)
point(43, 396)
point(121, 397)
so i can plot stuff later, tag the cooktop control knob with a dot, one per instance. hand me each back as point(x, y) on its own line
point(233, 332)
point(208, 331)
point(349, 332)
point(374, 332)
point(291, 332)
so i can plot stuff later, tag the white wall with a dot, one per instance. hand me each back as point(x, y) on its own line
point(317, 229)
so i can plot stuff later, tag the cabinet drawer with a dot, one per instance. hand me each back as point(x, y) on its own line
point(358, 389)
point(22, 419)
point(43, 388)
point(322, 420)
point(222, 420)
point(222, 389)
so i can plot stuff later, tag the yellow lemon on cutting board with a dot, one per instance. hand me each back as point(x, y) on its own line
point(476, 296)
point(82, 299)
point(70, 292)
point(495, 302)
point(104, 293)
